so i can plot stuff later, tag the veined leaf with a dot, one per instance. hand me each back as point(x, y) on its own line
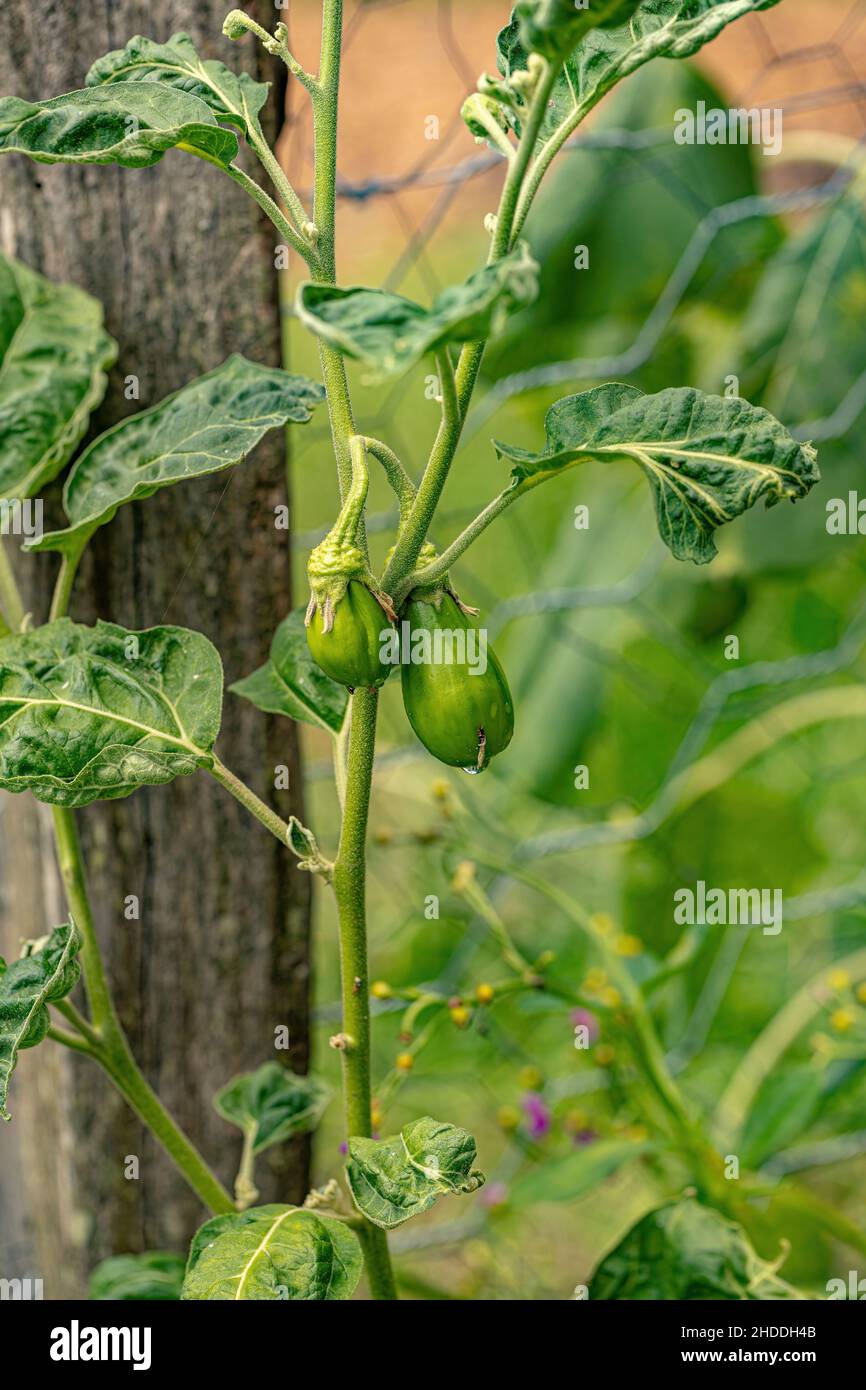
point(92, 713)
point(553, 27)
point(129, 123)
point(54, 353)
point(47, 970)
point(402, 1177)
point(155, 1276)
point(687, 1251)
point(292, 684)
point(390, 333)
point(273, 1252)
point(604, 56)
point(707, 459)
point(566, 1179)
point(232, 97)
point(206, 426)
point(271, 1104)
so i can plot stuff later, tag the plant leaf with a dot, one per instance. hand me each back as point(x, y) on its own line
point(46, 971)
point(402, 1177)
point(129, 123)
point(54, 353)
point(684, 1250)
point(553, 27)
point(566, 1179)
point(155, 1276)
point(271, 1104)
point(208, 425)
point(273, 1252)
point(292, 684)
point(604, 56)
point(707, 459)
point(783, 1109)
point(390, 333)
point(232, 97)
point(92, 713)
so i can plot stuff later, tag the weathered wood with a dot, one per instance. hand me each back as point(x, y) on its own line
point(184, 265)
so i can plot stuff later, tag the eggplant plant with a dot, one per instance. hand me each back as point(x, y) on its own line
point(96, 712)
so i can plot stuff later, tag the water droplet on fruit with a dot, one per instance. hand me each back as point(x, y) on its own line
point(473, 771)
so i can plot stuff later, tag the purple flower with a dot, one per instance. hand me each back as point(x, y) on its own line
point(495, 1194)
point(537, 1115)
point(583, 1018)
point(344, 1148)
point(583, 1137)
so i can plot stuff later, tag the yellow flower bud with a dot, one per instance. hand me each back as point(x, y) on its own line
point(381, 990)
point(508, 1117)
point(460, 1015)
point(626, 945)
point(530, 1078)
point(610, 997)
point(405, 1061)
point(838, 979)
point(464, 875)
point(594, 981)
point(603, 923)
point(484, 994)
point(841, 1020)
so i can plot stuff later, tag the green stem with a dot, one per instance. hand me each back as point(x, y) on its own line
point(65, 580)
point(350, 872)
point(400, 482)
point(270, 208)
point(11, 606)
point(110, 1046)
point(273, 168)
point(70, 1040)
point(252, 803)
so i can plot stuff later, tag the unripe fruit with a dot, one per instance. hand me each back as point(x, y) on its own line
point(350, 652)
point(463, 715)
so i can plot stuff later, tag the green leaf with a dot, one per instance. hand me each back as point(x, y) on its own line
point(92, 713)
point(129, 123)
point(47, 970)
point(54, 353)
point(234, 98)
point(784, 1107)
point(566, 1179)
point(207, 426)
point(273, 1252)
point(271, 1104)
point(707, 459)
point(390, 333)
point(155, 1276)
point(553, 27)
point(604, 56)
point(292, 684)
point(686, 1251)
point(402, 1177)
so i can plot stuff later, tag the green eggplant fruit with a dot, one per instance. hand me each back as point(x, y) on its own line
point(454, 689)
point(351, 652)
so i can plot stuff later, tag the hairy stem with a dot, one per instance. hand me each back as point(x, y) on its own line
point(350, 872)
point(399, 481)
point(270, 208)
point(252, 803)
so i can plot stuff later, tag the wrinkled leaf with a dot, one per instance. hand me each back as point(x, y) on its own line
point(271, 1104)
point(92, 713)
point(155, 1276)
point(707, 458)
point(389, 333)
point(402, 1177)
point(291, 683)
point(566, 1179)
point(207, 426)
point(47, 970)
point(273, 1252)
point(232, 97)
point(685, 1251)
point(553, 27)
point(54, 353)
point(129, 123)
point(603, 57)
